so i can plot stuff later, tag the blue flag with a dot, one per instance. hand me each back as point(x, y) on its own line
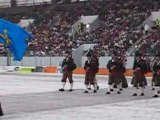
point(14, 37)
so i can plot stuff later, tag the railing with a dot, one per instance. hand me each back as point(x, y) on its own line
point(32, 2)
point(7, 3)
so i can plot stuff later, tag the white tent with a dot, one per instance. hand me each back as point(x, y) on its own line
point(25, 22)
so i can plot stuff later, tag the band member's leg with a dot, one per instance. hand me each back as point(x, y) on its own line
point(118, 83)
point(87, 82)
point(153, 81)
point(159, 90)
point(157, 85)
point(140, 81)
point(124, 81)
point(135, 82)
point(64, 78)
point(110, 83)
point(156, 92)
point(133, 78)
point(142, 84)
point(153, 85)
point(142, 91)
point(92, 81)
point(119, 86)
point(96, 83)
point(70, 80)
point(89, 86)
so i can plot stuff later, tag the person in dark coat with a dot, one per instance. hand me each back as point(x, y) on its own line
point(68, 66)
point(122, 70)
point(97, 69)
point(91, 68)
point(153, 63)
point(156, 74)
point(95, 80)
point(139, 80)
point(114, 68)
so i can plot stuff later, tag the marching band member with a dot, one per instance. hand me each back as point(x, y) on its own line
point(68, 66)
point(91, 67)
point(114, 68)
point(140, 68)
point(156, 72)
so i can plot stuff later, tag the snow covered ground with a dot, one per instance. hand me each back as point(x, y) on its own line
point(11, 84)
point(15, 89)
point(134, 110)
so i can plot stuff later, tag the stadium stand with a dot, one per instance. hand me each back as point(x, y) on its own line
point(121, 27)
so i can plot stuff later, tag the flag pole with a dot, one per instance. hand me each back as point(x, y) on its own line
point(1, 111)
point(8, 57)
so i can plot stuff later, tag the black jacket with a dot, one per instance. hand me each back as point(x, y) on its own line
point(69, 63)
point(141, 64)
point(111, 64)
point(92, 64)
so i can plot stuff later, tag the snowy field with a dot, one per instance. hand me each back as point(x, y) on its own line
point(28, 97)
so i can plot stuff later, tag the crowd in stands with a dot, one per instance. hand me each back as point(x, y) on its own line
point(120, 29)
point(122, 26)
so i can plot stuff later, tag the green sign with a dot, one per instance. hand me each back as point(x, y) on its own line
point(157, 22)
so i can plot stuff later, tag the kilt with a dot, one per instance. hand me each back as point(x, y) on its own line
point(90, 78)
point(157, 80)
point(139, 79)
point(67, 74)
point(124, 81)
point(114, 78)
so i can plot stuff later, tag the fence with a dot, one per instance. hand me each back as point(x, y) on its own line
point(7, 3)
point(55, 61)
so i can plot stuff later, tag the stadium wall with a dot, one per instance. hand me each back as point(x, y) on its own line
point(52, 65)
point(55, 61)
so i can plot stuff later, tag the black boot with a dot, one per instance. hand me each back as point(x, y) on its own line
point(89, 88)
point(61, 89)
point(155, 96)
point(114, 86)
point(142, 94)
point(111, 90)
point(153, 88)
point(97, 87)
point(95, 91)
point(135, 94)
point(121, 89)
point(85, 91)
point(108, 92)
point(70, 90)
